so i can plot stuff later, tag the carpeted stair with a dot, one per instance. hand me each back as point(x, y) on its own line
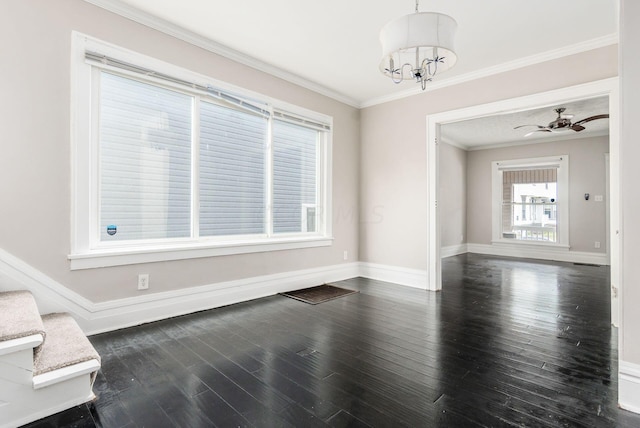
point(19, 316)
point(47, 364)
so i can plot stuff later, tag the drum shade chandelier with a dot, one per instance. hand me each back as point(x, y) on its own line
point(418, 46)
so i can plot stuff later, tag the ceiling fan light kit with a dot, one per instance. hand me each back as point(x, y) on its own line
point(563, 123)
point(418, 46)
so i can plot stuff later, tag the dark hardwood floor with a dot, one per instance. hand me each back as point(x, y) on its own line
point(508, 342)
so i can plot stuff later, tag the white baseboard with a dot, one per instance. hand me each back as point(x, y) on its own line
point(629, 386)
point(52, 296)
point(453, 250)
point(539, 252)
point(398, 275)
point(93, 318)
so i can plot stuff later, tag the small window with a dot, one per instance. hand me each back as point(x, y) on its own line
point(530, 201)
point(529, 210)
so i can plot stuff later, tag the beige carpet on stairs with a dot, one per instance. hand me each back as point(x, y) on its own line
point(65, 346)
point(19, 316)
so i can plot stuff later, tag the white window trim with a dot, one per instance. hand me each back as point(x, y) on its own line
point(85, 254)
point(562, 162)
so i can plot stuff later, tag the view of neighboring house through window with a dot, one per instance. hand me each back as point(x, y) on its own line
point(529, 205)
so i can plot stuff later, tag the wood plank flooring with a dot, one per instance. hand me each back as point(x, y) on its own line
point(508, 342)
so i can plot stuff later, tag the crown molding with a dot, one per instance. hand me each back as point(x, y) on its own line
point(577, 48)
point(190, 37)
point(164, 26)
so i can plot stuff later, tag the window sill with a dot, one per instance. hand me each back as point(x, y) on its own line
point(136, 255)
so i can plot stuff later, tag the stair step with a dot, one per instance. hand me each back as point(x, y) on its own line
point(19, 344)
point(65, 345)
point(39, 375)
point(19, 316)
point(66, 373)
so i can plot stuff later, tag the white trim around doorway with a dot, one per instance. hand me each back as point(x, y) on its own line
point(607, 87)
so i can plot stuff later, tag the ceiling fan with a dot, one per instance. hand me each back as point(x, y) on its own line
point(563, 123)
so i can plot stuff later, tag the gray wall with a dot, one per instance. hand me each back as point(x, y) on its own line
point(630, 177)
point(393, 197)
point(35, 41)
point(452, 198)
point(587, 219)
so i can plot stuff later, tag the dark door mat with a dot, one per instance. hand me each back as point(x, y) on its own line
point(318, 294)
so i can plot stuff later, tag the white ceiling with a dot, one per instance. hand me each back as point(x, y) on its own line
point(334, 44)
point(498, 130)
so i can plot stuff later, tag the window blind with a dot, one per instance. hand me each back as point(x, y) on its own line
point(298, 120)
point(295, 156)
point(145, 161)
point(521, 176)
point(254, 106)
point(177, 159)
point(232, 171)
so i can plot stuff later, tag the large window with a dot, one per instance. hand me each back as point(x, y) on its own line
point(530, 201)
point(166, 164)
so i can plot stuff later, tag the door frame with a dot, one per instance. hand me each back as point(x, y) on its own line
point(607, 87)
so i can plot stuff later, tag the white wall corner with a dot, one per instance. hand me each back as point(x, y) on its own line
point(453, 250)
point(629, 386)
point(415, 278)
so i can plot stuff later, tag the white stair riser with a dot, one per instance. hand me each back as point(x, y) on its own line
point(16, 368)
point(26, 404)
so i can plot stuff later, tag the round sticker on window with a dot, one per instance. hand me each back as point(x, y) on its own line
point(112, 229)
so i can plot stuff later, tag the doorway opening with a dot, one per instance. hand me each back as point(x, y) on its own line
point(601, 89)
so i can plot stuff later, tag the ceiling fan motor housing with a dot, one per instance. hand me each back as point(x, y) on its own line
point(560, 123)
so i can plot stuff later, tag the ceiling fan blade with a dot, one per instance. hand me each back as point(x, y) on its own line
point(589, 119)
point(577, 127)
point(538, 130)
point(539, 126)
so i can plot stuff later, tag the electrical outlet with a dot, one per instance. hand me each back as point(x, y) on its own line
point(345, 255)
point(597, 244)
point(598, 198)
point(143, 281)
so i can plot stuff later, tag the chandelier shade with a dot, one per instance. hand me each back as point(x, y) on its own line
point(418, 46)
